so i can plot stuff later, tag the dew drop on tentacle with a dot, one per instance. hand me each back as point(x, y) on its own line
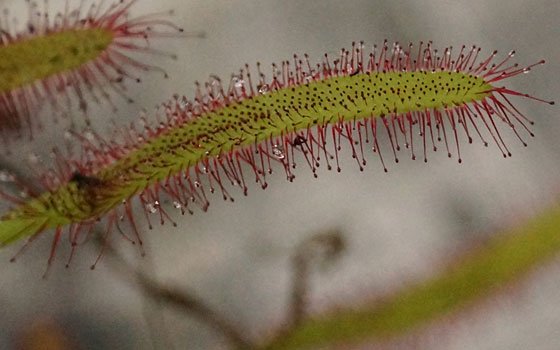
point(264, 89)
point(278, 152)
point(151, 208)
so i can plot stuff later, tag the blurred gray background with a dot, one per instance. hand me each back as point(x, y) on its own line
point(400, 227)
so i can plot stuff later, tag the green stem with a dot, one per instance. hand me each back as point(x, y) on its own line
point(507, 257)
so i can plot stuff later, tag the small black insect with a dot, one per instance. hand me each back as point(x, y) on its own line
point(299, 140)
point(84, 181)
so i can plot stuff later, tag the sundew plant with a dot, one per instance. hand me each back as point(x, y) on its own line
point(356, 111)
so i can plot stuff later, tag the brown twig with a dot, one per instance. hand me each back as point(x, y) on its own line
point(326, 246)
point(195, 307)
point(184, 301)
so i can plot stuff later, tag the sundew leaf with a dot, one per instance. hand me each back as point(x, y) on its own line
point(226, 136)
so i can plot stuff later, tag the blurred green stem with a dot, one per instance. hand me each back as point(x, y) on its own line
point(497, 263)
point(180, 299)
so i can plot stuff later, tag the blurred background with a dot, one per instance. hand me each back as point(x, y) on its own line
point(398, 227)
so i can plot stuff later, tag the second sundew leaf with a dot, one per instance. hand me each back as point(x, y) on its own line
point(312, 111)
point(84, 51)
point(45, 56)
